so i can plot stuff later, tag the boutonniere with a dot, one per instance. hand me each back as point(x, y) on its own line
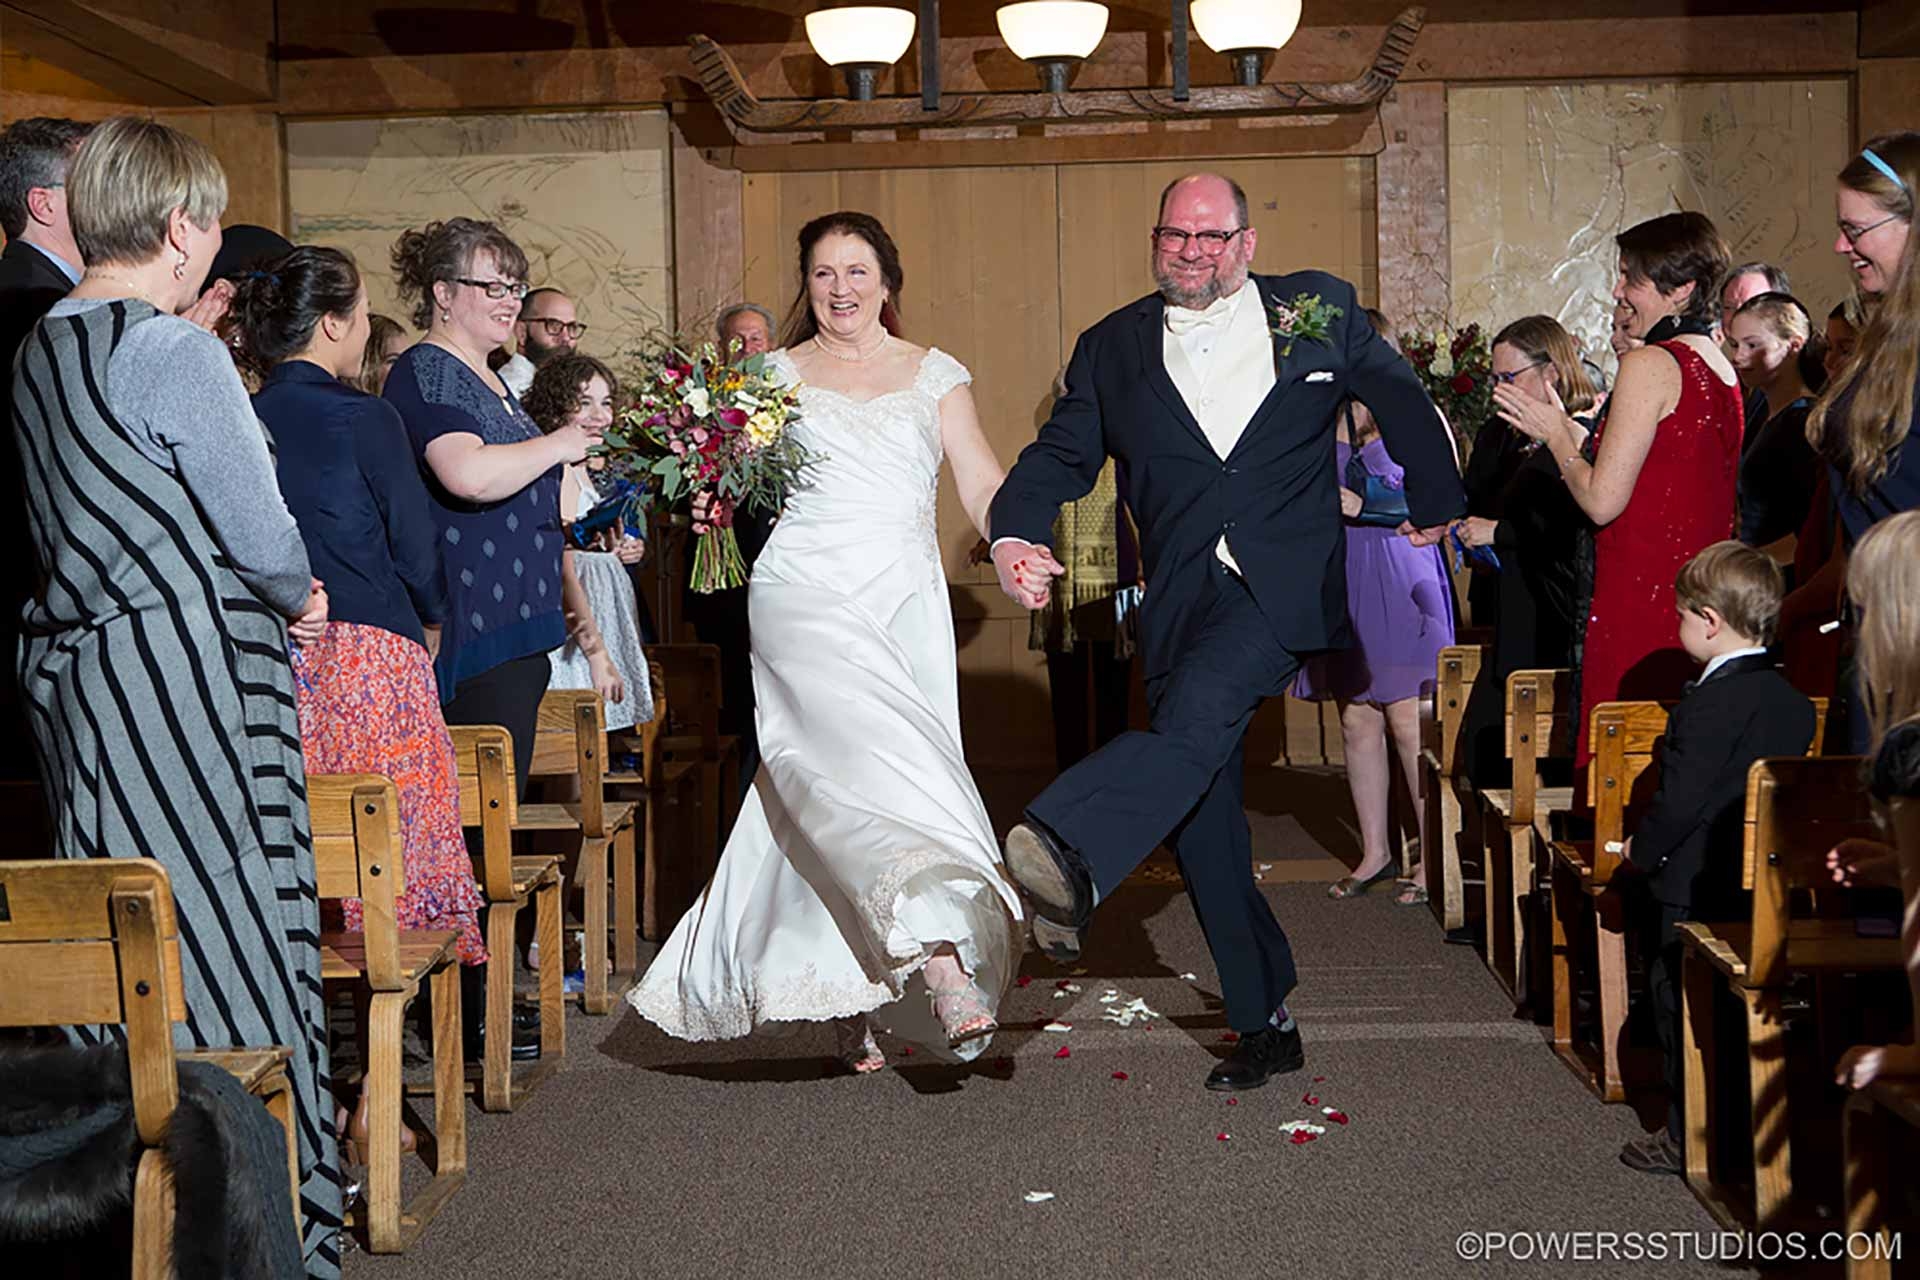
point(1305, 317)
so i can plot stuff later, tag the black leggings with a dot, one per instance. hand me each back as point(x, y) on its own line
point(507, 695)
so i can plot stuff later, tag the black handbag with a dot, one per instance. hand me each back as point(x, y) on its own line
point(1381, 505)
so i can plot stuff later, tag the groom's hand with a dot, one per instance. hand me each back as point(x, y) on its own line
point(1026, 572)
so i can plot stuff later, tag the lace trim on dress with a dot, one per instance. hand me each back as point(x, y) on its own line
point(802, 995)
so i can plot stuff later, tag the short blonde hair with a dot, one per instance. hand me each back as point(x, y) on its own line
point(128, 178)
point(1741, 584)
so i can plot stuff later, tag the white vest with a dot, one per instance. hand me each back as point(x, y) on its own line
point(1224, 370)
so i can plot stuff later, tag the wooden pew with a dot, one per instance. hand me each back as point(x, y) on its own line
point(483, 757)
point(1540, 719)
point(1797, 809)
point(692, 673)
point(675, 859)
point(1443, 781)
point(358, 853)
point(1887, 1110)
point(86, 941)
point(1623, 735)
point(570, 741)
point(1877, 1120)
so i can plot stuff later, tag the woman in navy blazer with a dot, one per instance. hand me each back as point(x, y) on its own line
point(368, 701)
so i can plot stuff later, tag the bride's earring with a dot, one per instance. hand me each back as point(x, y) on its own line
point(180, 268)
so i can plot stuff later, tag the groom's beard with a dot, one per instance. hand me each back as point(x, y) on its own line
point(1223, 283)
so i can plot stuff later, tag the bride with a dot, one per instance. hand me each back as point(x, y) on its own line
point(862, 882)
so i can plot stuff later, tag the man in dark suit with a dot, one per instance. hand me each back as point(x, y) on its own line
point(1227, 430)
point(1683, 862)
point(40, 266)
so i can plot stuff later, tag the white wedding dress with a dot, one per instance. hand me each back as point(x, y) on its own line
point(862, 846)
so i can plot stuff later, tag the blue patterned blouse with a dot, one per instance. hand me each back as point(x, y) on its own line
point(502, 558)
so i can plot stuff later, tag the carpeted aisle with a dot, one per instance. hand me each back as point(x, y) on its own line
point(648, 1157)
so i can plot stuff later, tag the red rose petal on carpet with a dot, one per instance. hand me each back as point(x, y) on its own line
point(1064, 1052)
point(1119, 1075)
point(1221, 1137)
point(1233, 1102)
point(1310, 1100)
point(1338, 1117)
point(1301, 1135)
point(1023, 980)
point(1230, 1037)
point(1319, 1079)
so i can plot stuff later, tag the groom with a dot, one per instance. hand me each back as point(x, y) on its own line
point(1227, 428)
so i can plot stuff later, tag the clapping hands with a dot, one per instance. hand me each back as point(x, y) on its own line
point(1026, 572)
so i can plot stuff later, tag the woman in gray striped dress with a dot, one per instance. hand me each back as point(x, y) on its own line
point(154, 660)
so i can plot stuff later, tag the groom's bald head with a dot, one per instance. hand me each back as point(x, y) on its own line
point(1207, 184)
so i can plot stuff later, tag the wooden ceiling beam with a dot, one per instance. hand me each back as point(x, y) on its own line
point(1889, 29)
point(1656, 48)
point(137, 48)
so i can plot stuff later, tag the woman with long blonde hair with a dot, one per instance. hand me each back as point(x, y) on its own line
point(1863, 423)
point(1883, 578)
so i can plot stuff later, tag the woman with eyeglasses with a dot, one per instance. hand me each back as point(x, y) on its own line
point(1863, 423)
point(492, 474)
point(1656, 476)
point(1400, 602)
point(1536, 540)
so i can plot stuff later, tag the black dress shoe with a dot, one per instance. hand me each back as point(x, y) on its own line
point(1051, 873)
point(1258, 1057)
point(526, 1033)
point(1058, 942)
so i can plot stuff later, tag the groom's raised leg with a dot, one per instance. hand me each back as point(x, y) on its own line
point(1111, 810)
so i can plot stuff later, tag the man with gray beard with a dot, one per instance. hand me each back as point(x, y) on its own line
point(1220, 394)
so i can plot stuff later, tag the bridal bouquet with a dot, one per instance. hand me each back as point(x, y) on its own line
point(701, 426)
point(1456, 367)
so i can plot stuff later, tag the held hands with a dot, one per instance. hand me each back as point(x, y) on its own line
point(630, 550)
point(1533, 418)
point(311, 624)
point(1475, 531)
point(1026, 572)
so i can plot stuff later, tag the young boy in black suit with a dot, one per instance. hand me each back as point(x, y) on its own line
point(1683, 860)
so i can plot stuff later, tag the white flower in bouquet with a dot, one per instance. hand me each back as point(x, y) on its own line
point(1442, 364)
point(698, 402)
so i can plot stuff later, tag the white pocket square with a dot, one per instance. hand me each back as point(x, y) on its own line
point(1320, 375)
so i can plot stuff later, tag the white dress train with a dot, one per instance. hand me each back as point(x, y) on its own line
point(863, 845)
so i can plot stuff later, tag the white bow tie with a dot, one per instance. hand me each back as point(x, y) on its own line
point(1182, 320)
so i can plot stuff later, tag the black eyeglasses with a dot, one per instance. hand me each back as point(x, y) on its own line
point(1507, 379)
point(1212, 243)
point(1852, 234)
point(496, 289)
point(571, 328)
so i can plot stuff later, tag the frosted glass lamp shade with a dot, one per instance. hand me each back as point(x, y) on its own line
point(1039, 30)
point(861, 41)
point(864, 34)
point(1246, 30)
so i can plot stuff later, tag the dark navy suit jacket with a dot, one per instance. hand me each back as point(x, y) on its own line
point(1275, 497)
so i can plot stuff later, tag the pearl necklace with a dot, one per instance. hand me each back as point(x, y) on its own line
point(859, 356)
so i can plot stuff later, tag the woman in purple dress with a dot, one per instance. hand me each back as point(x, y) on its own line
point(1400, 602)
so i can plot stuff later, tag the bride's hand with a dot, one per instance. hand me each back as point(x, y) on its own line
point(1026, 572)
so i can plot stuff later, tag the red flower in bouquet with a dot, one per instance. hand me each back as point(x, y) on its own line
point(1462, 384)
point(701, 428)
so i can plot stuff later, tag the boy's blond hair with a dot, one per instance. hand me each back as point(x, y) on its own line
point(1737, 582)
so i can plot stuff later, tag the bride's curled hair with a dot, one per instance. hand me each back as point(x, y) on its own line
point(800, 324)
point(277, 306)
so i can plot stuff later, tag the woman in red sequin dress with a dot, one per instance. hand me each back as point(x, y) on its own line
point(1657, 478)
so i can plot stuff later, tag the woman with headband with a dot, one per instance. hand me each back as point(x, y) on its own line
point(1863, 424)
